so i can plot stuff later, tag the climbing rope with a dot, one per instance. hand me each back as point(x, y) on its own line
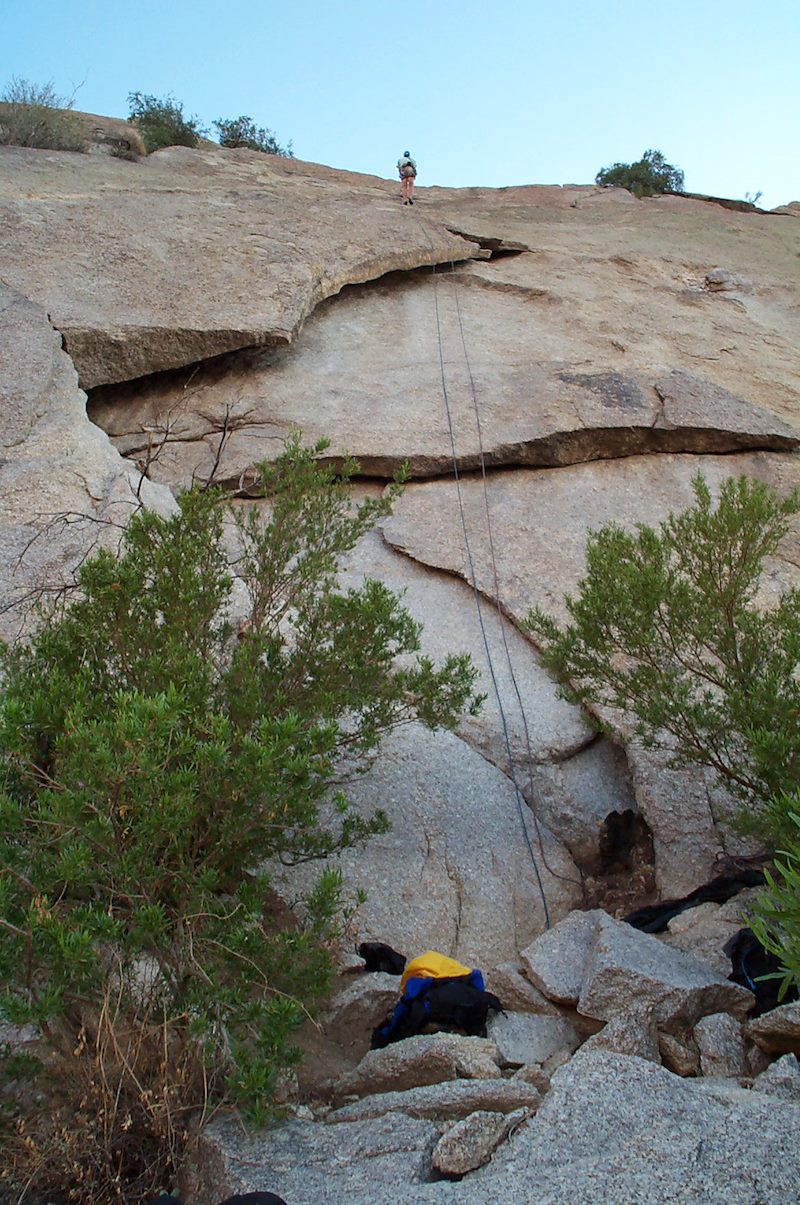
point(521, 806)
point(496, 587)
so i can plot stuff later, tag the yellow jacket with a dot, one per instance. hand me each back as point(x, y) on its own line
point(431, 965)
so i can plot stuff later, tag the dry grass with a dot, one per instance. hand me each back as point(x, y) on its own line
point(32, 115)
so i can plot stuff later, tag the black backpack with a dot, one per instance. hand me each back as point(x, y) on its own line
point(460, 1004)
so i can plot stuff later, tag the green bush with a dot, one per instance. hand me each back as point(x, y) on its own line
point(156, 761)
point(665, 627)
point(649, 176)
point(161, 121)
point(33, 115)
point(243, 132)
point(777, 914)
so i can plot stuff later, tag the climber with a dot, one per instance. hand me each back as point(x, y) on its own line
point(407, 171)
point(438, 991)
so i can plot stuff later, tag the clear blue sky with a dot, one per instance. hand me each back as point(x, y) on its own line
point(493, 93)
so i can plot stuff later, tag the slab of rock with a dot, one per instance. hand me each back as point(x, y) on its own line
point(472, 1142)
point(690, 402)
point(555, 961)
point(625, 966)
point(778, 1031)
point(453, 1099)
point(525, 1038)
point(336, 380)
point(308, 1163)
point(719, 1040)
point(782, 1079)
point(425, 1059)
point(455, 873)
point(543, 730)
point(194, 252)
point(633, 1032)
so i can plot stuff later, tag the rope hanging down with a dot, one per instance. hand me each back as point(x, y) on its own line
point(496, 592)
point(521, 806)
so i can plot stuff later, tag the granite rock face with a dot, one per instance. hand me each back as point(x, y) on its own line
point(583, 352)
point(221, 250)
point(577, 356)
point(64, 489)
point(456, 872)
point(612, 1128)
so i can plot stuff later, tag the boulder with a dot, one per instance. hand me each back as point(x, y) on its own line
point(363, 1004)
point(425, 1059)
point(679, 1054)
point(530, 1073)
point(523, 1038)
point(781, 1079)
point(719, 1040)
point(704, 931)
point(625, 966)
point(633, 1032)
point(453, 1099)
point(518, 993)
point(472, 1142)
point(778, 1031)
point(555, 961)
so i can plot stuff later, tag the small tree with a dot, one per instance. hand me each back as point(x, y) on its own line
point(154, 763)
point(33, 115)
point(665, 627)
point(243, 132)
point(648, 177)
point(161, 121)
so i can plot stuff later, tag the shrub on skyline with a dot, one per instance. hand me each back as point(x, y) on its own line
point(161, 121)
point(243, 132)
point(647, 177)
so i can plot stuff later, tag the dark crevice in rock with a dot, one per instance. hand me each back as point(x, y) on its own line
point(577, 447)
point(498, 248)
point(623, 874)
